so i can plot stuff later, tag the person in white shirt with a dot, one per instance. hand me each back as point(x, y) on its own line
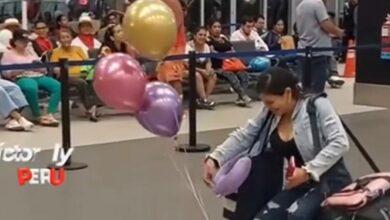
point(6, 29)
point(247, 33)
point(86, 27)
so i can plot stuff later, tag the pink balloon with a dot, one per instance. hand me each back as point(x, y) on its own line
point(232, 175)
point(120, 82)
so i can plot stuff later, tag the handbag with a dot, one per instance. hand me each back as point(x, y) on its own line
point(233, 65)
point(234, 173)
point(366, 198)
point(360, 193)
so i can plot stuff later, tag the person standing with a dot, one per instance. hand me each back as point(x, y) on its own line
point(349, 24)
point(315, 30)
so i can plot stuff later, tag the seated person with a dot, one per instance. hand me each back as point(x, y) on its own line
point(172, 72)
point(86, 28)
point(246, 33)
point(238, 81)
point(62, 23)
point(12, 102)
point(43, 43)
point(260, 25)
point(205, 75)
point(114, 42)
point(74, 53)
point(31, 80)
point(112, 18)
point(273, 38)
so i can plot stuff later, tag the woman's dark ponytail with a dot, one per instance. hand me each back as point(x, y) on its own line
point(276, 80)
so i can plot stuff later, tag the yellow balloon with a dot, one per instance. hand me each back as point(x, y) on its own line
point(150, 26)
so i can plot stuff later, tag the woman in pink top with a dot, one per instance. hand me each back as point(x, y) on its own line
point(30, 81)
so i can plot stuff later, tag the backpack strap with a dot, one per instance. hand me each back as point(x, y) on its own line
point(312, 111)
point(267, 119)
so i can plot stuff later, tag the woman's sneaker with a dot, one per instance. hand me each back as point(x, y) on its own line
point(336, 81)
point(13, 125)
point(243, 102)
point(205, 104)
point(247, 100)
point(26, 124)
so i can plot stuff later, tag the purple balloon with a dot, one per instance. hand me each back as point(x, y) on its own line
point(120, 82)
point(162, 110)
point(232, 175)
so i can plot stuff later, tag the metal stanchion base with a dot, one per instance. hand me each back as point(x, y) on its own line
point(193, 149)
point(71, 166)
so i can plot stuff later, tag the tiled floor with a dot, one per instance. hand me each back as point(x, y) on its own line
point(123, 127)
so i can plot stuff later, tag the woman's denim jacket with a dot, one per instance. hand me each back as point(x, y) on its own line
point(325, 163)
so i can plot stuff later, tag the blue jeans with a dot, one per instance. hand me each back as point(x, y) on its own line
point(11, 98)
point(238, 81)
point(301, 203)
point(318, 73)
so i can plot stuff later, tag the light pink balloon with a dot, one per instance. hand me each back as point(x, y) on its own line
point(120, 82)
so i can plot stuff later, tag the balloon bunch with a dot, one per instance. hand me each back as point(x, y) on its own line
point(151, 27)
point(120, 83)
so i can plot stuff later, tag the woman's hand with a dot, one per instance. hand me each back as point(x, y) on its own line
point(209, 171)
point(299, 177)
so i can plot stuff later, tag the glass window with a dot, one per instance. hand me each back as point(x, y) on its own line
point(220, 10)
point(277, 9)
point(10, 9)
point(250, 8)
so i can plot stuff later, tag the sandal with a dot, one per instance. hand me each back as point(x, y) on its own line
point(48, 121)
point(13, 125)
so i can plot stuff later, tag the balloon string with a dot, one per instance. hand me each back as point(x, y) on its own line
point(190, 186)
point(197, 196)
point(178, 170)
point(189, 181)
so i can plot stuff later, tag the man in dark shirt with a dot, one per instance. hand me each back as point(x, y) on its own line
point(42, 43)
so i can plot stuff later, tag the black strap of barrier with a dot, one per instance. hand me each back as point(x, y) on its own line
point(192, 146)
point(202, 55)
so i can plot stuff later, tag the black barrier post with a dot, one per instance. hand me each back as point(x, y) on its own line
point(66, 139)
point(307, 76)
point(192, 146)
